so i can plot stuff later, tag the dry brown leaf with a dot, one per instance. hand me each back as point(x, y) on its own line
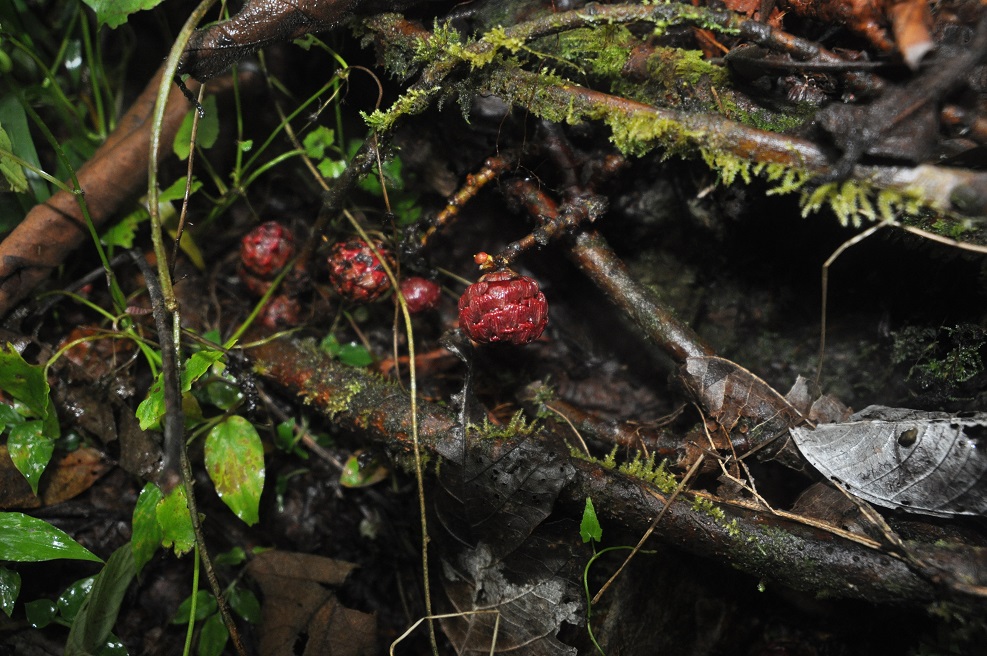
point(66, 477)
point(298, 607)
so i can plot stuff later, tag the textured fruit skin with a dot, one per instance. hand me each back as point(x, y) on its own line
point(266, 249)
point(503, 306)
point(421, 294)
point(281, 312)
point(355, 272)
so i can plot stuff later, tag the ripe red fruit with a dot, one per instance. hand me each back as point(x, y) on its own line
point(420, 294)
point(356, 273)
point(503, 306)
point(266, 249)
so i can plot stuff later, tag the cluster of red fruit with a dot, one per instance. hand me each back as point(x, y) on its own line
point(501, 306)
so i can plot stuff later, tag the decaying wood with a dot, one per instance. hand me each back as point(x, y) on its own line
point(52, 230)
point(784, 551)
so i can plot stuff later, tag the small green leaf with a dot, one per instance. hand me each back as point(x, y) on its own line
point(205, 605)
point(318, 141)
point(176, 522)
point(91, 629)
point(40, 612)
point(214, 635)
point(246, 145)
point(244, 603)
point(13, 173)
point(234, 556)
point(114, 13)
point(176, 190)
point(206, 133)
point(331, 168)
point(72, 597)
point(10, 587)
point(152, 408)
point(145, 538)
point(27, 384)
point(122, 233)
point(30, 450)
point(9, 416)
point(589, 528)
point(26, 539)
point(234, 458)
point(355, 355)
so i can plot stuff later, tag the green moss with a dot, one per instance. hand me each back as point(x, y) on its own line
point(518, 426)
point(337, 403)
point(646, 470)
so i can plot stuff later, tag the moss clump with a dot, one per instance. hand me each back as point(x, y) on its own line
point(518, 426)
point(707, 507)
point(646, 470)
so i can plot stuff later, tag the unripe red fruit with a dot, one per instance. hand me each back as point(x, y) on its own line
point(503, 306)
point(420, 294)
point(266, 249)
point(355, 272)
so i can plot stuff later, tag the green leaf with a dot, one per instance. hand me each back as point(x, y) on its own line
point(10, 587)
point(122, 233)
point(205, 605)
point(244, 603)
point(318, 141)
point(207, 131)
point(70, 601)
point(13, 173)
point(14, 120)
point(152, 409)
point(176, 522)
point(145, 538)
point(27, 384)
point(114, 13)
point(234, 458)
point(234, 556)
point(30, 450)
point(9, 416)
point(331, 168)
point(355, 354)
point(26, 539)
point(40, 612)
point(91, 629)
point(589, 528)
point(176, 190)
point(213, 637)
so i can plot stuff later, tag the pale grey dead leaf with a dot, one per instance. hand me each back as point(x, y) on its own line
point(926, 462)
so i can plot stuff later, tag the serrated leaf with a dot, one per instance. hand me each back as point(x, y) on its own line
point(12, 172)
point(206, 133)
point(145, 539)
point(10, 588)
point(205, 605)
point(213, 637)
point(175, 522)
point(589, 527)
point(91, 629)
point(30, 450)
point(234, 458)
point(122, 233)
point(26, 539)
point(114, 13)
